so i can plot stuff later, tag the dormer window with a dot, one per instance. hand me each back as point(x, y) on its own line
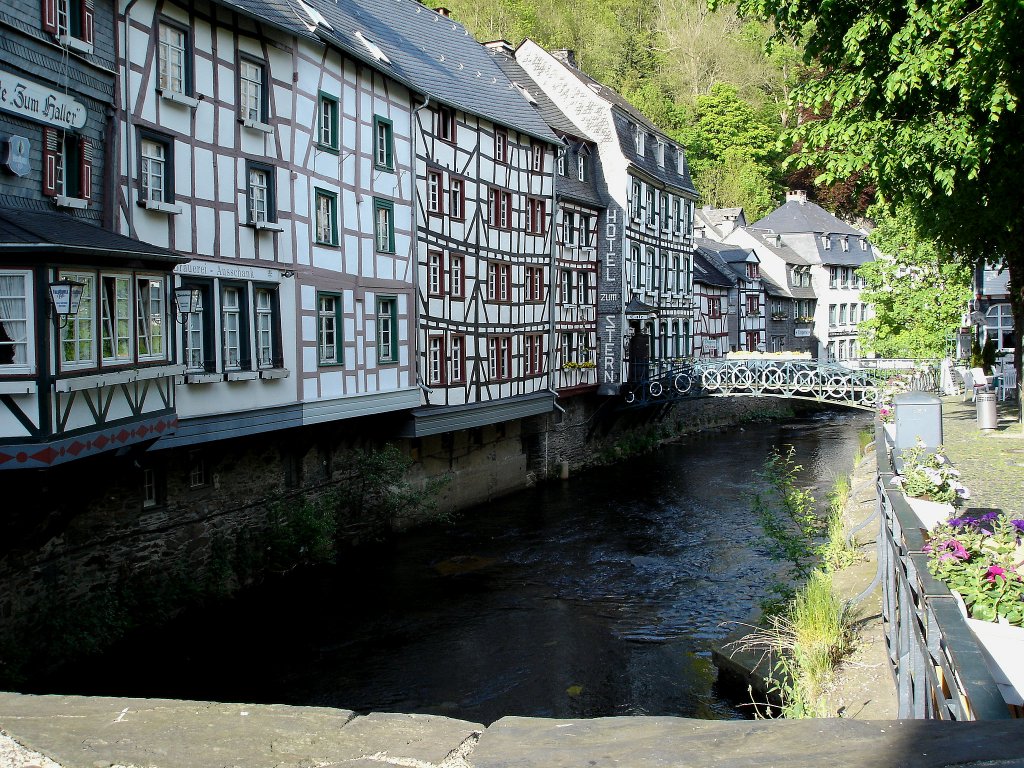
point(845, 242)
point(753, 271)
point(444, 124)
point(826, 242)
point(863, 243)
point(659, 153)
point(640, 137)
point(680, 161)
point(581, 166)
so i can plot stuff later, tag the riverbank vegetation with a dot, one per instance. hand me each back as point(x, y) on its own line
point(806, 629)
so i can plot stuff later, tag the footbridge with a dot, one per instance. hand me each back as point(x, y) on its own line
point(853, 383)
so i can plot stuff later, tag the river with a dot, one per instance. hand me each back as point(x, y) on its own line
point(595, 596)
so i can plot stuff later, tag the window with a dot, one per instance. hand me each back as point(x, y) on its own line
point(499, 282)
point(586, 230)
point(565, 286)
point(778, 309)
point(383, 143)
point(833, 313)
point(641, 136)
point(456, 276)
point(753, 271)
point(753, 305)
point(842, 314)
point(999, 325)
point(677, 215)
point(714, 306)
point(435, 360)
point(533, 354)
point(329, 329)
point(434, 192)
point(196, 469)
point(156, 171)
point(581, 166)
point(778, 343)
point(67, 165)
point(435, 273)
point(638, 267)
point(674, 281)
point(569, 228)
point(266, 329)
point(636, 201)
point(150, 317)
point(262, 200)
point(499, 356)
point(327, 122)
point(70, 21)
point(499, 208)
point(536, 210)
point(231, 327)
point(458, 359)
point(826, 242)
point(652, 213)
point(116, 318)
point(175, 60)
point(444, 124)
point(387, 326)
point(198, 350)
point(845, 243)
point(16, 351)
point(326, 216)
point(252, 92)
point(152, 489)
point(863, 312)
point(582, 287)
point(78, 337)
point(833, 277)
point(561, 163)
point(666, 221)
point(537, 157)
point(535, 284)
point(384, 225)
point(455, 199)
point(652, 269)
point(501, 146)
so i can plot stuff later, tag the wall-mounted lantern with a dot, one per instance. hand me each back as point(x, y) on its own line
point(66, 297)
point(187, 301)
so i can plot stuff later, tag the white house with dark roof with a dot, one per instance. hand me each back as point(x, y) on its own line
point(274, 149)
point(645, 298)
point(713, 287)
point(748, 299)
point(833, 251)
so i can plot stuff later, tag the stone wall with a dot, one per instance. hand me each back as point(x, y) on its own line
point(75, 535)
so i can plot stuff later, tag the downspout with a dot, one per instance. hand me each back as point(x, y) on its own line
point(414, 160)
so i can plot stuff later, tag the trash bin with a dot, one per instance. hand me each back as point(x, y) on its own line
point(986, 410)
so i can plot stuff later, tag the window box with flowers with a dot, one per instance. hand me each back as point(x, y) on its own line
point(572, 365)
point(930, 483)
point(779, 315)
point(805, 319)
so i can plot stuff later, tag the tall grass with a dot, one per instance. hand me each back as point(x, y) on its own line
point(838, 551)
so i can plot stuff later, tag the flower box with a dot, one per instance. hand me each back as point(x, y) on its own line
point(930, 513)
point(1002, 645)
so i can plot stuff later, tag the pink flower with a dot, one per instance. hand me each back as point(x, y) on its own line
point(994, 571)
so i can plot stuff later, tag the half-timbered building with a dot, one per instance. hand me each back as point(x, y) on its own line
point(579, 211)
point(712, 288)
point(86, 347)
point(646, 246)
point(750, 296)
point(272, 145)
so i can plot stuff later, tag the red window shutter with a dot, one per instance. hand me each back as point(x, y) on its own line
point(51, 161)
point(86, 160)
point(49, 9)
point(87, 13)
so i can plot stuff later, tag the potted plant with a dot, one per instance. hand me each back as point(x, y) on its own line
point(930, 483)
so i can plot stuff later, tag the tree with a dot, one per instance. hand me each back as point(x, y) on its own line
point(923, 100)
point(917, 291)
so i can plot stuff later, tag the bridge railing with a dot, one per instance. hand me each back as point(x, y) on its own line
point(939, 668)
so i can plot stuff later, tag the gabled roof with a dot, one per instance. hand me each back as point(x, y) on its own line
point(44, 232)
point(794, 216)
point(766, 240)
point(716, 216)
point(730, 254)
point(774, 289)
point(425, 51)
point(708, 274)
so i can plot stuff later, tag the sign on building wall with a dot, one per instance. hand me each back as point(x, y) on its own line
point(610, 305)
point(21, 96)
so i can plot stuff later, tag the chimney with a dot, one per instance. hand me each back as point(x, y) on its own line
point(501, 46)
point(444, 12)
point(566, 56)
point(797, 196)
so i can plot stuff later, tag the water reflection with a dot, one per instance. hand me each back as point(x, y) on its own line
point(597, 596)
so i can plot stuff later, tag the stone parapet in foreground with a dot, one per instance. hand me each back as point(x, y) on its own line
point(81, 732)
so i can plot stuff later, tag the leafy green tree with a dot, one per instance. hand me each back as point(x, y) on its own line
point(924, 100)
point(918, 292)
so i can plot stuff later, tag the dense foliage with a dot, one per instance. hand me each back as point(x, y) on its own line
point(923, 101)
point(918, 292)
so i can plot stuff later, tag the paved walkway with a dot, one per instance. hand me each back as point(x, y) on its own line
point(991, 462)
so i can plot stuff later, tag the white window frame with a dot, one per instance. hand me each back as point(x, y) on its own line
point(264, 313)
point(80, 330)
point(17, 307)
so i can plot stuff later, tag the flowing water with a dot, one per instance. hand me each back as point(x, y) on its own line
point(595, 596)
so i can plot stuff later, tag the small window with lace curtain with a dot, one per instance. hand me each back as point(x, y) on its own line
point(15, 329)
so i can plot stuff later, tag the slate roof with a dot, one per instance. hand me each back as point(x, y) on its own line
point(27, 231)
point(784, 252)
point(427, 52)
point(575, 138)
point(730, 254)
point(707, 273)
point(625, 116)
point(793, 217)
point(774, 289)
point(716, 216)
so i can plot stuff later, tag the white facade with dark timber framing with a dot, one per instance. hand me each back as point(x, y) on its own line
point(579, 216)
point(99, 380)
point(273, 148)
point(645, 301)
point(712, 288)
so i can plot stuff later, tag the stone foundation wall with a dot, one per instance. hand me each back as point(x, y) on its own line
point(74, 535)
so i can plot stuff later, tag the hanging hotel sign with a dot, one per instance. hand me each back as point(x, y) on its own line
point(37, 102)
